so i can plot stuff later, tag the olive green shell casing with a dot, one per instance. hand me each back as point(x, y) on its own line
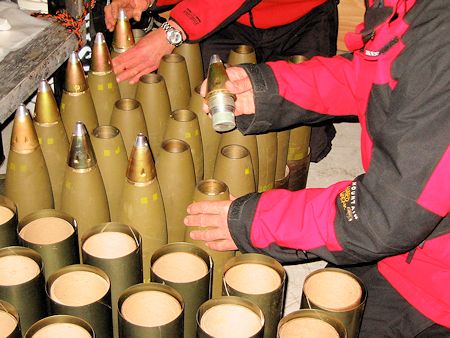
point(228, 300)
point(8, 227)
point(57, 254)
point(211, 190)
point(271, 303)
point(176, 176)
point(192, 55)
point(234, 168)
point(102, 81)
point(128, 117)
point(315, 314)
point(173, 69)
point(59, 319)
point(11, 310)
point(123, 271)
point(267, 155)
point(28, 298)
point(183, 125)
point(173, 329)
point(350, 318)
point(83, 194)
point(283, 183)
point(194, 293)
point(112, 161)
point(27, 181)
point(141, 204)
point(282, 153)
point(76, 101)
point(52, 137)
point(298, 176)
point(247, 141)
point(299, 143)
point(241, 54)
point(97, 314)
point(152, 94)
point(210, 138)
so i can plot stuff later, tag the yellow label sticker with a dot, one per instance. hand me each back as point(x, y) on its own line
point(68, 185)
point(12, 166)
point(100, 87)
point(107, 153)
point(23, 168)
point(247, 171)
point(118, 150)
point(110, 85)
point(63, 106)
point(155, 196)
point(144, 200)
point(188, 135)
point(50, 140)
point(40, 140)
point(196, 132)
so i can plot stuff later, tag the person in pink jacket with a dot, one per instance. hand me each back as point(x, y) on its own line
point(390, 226)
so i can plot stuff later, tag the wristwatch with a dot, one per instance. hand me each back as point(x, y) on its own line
point(174, 36)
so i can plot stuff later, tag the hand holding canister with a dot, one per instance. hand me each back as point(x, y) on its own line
point(220, 100)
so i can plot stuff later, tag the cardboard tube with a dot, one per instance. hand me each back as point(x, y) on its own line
point(60, 326)
point(9, 321)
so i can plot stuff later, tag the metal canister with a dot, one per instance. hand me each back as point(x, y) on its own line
point(9, 321)
point(8, 222)
point(60, 326)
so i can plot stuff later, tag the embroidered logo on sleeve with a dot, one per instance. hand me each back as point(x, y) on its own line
point(348, 201)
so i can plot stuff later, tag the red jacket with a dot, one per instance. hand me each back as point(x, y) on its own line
point(200, 18)
point(397, 213)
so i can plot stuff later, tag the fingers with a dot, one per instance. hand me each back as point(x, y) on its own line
point(209, 207)
point(215, 239)
point(223, 245)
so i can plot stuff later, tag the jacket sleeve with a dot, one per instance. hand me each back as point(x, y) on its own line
point(201, 18)
point(324, 88)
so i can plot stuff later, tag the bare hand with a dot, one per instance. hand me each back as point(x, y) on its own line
point(143, 58)
point(239, 85)
point(211, 215)
point(133, 8)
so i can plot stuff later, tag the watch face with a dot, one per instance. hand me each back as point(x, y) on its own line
point(174, 37)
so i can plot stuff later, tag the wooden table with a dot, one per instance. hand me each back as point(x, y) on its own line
point(21, 70)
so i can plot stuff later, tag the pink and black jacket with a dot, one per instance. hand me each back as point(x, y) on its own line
point(397, 82)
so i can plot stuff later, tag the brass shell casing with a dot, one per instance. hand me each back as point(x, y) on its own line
point(97, 314)
point(123, 271)
point(270, 303)
point(75, 80)
point(27, 181)
point(241, 54)
point(211, 190)
point(11, 310)
point(54, 255)
point(112, 161)
point(247, 141)
point(152, 94)
point(194, 293)
point(267, 155)
point(141, 203)
point(123, 38)
point(128, 117)
point(29, 297)
point(172, 329)
point(234, 168)
point(8, 229)
point(282, 153)
point(52, 138)
point(210, 138)
point(176, 177)
point(59, 319)
point(192, 55)
point(183, 125)
point(299, 157)
point(174, 70)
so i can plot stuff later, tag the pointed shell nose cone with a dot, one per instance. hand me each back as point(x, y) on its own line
point(75, 80)
point(23, 136)
point(101, 59)
point(215, 59)
point(81, 154)
point(46, 109)
point(141, 168)
point(123, 36)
